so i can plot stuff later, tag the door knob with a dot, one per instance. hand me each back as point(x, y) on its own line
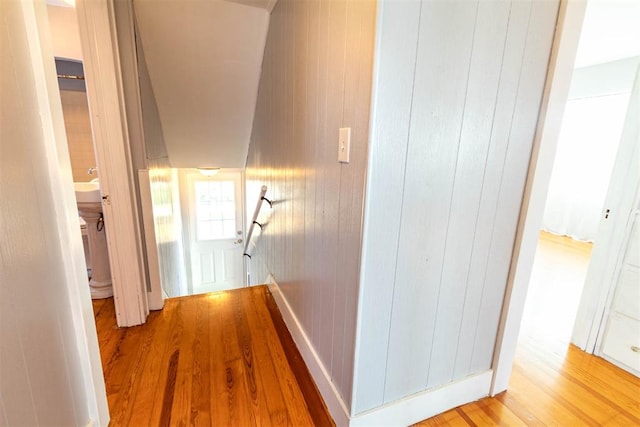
point(237, 242)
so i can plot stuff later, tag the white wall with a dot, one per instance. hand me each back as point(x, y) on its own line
point(457, 94)
point(50, 372)
point(587, 147)
point(148, 151)
point(64, 32)
point(316, 78)
point(78, 127)
point(164, 191)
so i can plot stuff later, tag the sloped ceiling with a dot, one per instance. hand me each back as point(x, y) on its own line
point(204, 59)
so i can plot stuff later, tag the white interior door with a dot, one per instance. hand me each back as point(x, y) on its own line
point(621, 339)
point(215, 230)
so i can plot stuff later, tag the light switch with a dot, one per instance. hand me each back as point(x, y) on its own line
point(344, 145)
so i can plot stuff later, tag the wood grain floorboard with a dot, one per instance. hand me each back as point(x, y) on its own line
point(555, 383)
point(220, 359)
point(227, 358)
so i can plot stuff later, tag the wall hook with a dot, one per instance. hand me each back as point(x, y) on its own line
point(268, 201)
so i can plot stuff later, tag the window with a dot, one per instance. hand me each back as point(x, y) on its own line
point(215, 210)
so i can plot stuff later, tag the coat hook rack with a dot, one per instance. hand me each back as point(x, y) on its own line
point(258, 224)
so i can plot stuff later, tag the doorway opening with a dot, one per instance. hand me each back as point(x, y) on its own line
point(601, 85)
point(212, 208)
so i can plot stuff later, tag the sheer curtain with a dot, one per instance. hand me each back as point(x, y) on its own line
point(587, 147)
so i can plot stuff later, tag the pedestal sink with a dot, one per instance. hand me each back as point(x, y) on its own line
point(89, 203)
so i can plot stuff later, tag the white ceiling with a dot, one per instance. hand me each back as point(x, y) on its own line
point(611, 31)
point(204, 60)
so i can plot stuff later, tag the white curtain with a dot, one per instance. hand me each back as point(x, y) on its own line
point(587, 147)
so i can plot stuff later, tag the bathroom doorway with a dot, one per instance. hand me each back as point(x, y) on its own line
point(77, 123)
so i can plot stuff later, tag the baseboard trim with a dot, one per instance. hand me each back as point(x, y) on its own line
point(428, 403)
point(406, 411)
point(332, 398)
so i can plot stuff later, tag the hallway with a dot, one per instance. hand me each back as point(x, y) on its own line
point(227, 358)
point(222, 358)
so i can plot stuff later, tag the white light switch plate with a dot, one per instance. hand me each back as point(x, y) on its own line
point(344, 145)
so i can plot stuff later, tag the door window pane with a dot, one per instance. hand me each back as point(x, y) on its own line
point(215, 210)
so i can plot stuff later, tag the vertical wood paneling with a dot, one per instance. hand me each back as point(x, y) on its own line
point(443, 198)
point(309, 88)
point(479, 109)
point(332, 209)
point(397, 33)
point(503, 114)
point(310, 156)
point(534, 68)
point(320, 314)
point(355, 113)
point(47, 348)
point(431, 166)
point(163, 182)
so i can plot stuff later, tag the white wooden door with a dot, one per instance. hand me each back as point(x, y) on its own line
point(215, 231)
point(621, 337)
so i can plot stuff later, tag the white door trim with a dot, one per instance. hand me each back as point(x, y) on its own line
point(96, 23)
point(556, 92)
point(131, 87)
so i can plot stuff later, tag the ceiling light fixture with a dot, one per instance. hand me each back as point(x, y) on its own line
point(208, 171)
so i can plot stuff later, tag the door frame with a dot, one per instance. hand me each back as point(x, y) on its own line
point(185, 210)
point(96, 24)
point(556, 91)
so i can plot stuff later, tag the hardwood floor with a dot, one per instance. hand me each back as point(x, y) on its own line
point(227, 359)
point(554, 383)
point(224, 358)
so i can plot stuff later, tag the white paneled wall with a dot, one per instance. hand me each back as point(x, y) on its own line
point(316, 78)
point(164, 191)
point(456, 100)
point(50, 372)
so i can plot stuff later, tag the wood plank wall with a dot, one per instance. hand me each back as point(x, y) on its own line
point(164, 190)
point(41, 359)
point(456, 101)
point(316, 78)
